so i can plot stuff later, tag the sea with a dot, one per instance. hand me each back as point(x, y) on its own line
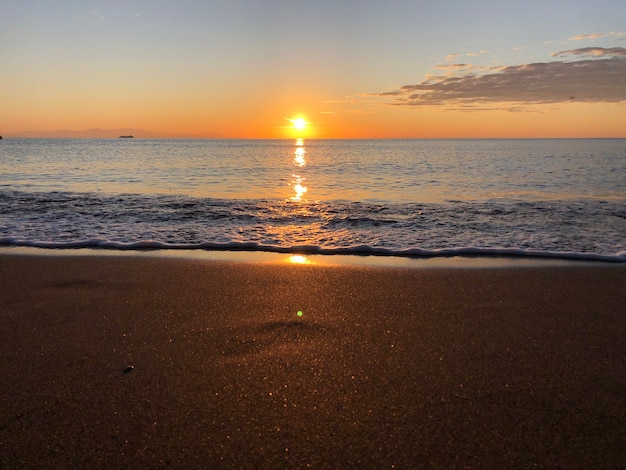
point(412, 198)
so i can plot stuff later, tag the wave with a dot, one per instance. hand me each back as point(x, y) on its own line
point(587, 229)
point(360, 250)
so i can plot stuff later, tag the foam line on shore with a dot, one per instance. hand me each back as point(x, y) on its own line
point(360, 250)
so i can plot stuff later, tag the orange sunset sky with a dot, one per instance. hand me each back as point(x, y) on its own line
point(351, 69)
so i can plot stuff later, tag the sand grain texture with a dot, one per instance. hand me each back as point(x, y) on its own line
point(412, 368)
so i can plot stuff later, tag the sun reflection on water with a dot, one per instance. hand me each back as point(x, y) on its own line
point(299, 188)
point(298, 182)
point(298, 158)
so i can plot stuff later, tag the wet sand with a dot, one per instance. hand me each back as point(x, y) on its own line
point(386, 367)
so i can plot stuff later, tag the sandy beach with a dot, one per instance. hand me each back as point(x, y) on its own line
point(147, 362)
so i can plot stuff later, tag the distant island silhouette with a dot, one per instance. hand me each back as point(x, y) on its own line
point(98, 133)
point(126, 137)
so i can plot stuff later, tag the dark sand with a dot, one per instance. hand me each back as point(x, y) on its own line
point(404, 368)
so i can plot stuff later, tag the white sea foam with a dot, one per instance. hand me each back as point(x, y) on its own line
point(362, 250)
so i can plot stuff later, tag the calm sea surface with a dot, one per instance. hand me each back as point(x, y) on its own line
point(537, 197)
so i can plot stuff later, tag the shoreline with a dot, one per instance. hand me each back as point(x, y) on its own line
point(369, 260)
point(514, 366)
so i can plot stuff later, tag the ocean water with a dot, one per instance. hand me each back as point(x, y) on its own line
point(562, 198)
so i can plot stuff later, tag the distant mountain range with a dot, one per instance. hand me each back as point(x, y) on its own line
point(108, 134)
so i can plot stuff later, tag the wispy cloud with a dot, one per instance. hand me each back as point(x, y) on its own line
point(347, 112)
point(347, 99)
point(458, 69)
point(582, 37)
point(594, 75)
point(345, 106)
point(593, 52)
point(452, 57)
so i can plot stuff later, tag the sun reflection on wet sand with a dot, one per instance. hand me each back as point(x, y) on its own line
point(298, 259)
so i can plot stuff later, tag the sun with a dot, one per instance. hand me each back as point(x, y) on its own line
point(299, 124)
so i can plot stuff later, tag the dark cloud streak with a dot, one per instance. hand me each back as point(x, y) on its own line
point(596, 75)
point(594, 52)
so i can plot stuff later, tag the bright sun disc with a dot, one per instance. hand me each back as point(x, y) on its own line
point(299, 123)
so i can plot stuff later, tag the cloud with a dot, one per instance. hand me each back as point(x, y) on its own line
point(347, 99)
point(595, 75)
point(593, 52)
point(452, 57)
point(582, 37)
point(457, 70)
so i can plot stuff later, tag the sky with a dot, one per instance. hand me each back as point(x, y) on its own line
point(350, 69)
